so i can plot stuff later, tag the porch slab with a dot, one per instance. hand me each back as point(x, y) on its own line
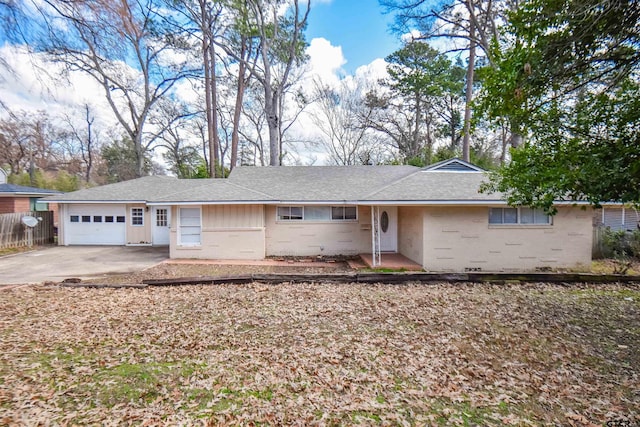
point(393, 261)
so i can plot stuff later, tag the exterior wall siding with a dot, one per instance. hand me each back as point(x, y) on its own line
point(410, 231)
point(307, 238)
point(228, 232)
point(136, 234)
point(459, 239)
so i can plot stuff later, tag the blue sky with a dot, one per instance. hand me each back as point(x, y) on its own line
point(359, 26)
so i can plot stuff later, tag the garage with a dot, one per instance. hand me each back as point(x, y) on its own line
point(95, 224)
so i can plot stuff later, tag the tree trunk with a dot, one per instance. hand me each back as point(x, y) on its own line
point(216, 158)
point(238, 106)
point(466, 141)
point(89, 157)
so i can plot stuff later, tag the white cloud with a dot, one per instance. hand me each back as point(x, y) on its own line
point(33, 84)
point(410, 36)
point(325, 60)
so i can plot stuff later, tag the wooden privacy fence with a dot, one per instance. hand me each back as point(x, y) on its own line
point(14, 234)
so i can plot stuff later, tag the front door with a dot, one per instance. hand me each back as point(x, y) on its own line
point(161, 225)
point(388, 223)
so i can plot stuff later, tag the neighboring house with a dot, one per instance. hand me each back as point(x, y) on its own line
point(617, 217)
point(18, 198)
point(433, 216)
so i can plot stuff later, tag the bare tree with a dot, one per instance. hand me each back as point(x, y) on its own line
point(280, 46)
point(84, 141)
point(339, 116)
point(126, 47)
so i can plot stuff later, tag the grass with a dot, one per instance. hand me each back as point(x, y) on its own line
point(331, 354)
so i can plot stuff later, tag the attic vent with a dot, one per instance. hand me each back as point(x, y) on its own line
point(457, 167)
point(453, 165)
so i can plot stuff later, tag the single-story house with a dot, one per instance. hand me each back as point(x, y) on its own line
point(434, 216)
point(18, 198)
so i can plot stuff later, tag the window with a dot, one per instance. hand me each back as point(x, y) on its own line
point(161, 218)
point(108, 218)
point(521, 216)
point(97, 218)
point(86, 218)
point(74, 218)
point(290, 213)
point(317, 213)
point(190, 226)
point(137, 216)
point(119, 219)
point(344, 213)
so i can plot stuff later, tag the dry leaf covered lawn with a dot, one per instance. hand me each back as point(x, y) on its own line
point(323, 354)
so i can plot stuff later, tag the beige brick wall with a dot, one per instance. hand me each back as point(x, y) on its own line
point(228, 232)
point(461, 238)
point(306, 238)
point(410, 232)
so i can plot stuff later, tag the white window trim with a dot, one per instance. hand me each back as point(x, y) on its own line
point(326, 221)
point(518, 223)
point(179, 230)
point(134, 216)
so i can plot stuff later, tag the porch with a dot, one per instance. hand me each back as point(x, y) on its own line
point(391, 261)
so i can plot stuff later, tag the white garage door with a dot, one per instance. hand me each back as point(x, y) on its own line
point(95, 225)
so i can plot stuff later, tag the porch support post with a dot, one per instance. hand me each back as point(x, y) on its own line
point(375, 237)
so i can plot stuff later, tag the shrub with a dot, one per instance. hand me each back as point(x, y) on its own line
point(621, 244)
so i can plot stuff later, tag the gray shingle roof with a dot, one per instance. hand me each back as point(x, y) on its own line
point(298, 184)
point(318, 183)
point(434, 186)
point(135, 190)
point(23, 190)
point(213, 190)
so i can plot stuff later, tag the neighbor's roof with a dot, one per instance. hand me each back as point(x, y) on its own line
point(21, 190)
point(446, 182)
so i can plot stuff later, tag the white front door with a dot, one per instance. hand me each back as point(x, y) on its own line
point(388, 223)
point(161, 225)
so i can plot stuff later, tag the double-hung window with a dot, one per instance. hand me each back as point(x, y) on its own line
point(290, 213)
point(344, 213)
point(518, 216)
point(190, 227)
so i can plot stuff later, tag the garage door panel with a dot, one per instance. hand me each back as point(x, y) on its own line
point(95, 225)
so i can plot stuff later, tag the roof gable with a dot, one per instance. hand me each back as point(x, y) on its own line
point(453, 165)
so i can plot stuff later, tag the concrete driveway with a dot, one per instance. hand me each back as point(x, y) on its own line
point(60, 262)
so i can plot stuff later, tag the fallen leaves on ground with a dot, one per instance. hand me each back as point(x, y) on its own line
point(321, 354)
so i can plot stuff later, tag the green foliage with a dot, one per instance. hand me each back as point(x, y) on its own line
point(425, 89)
point(568, 80)
point(120, 158)
point(621, 244)
point(61, 181)
point(589, 153)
